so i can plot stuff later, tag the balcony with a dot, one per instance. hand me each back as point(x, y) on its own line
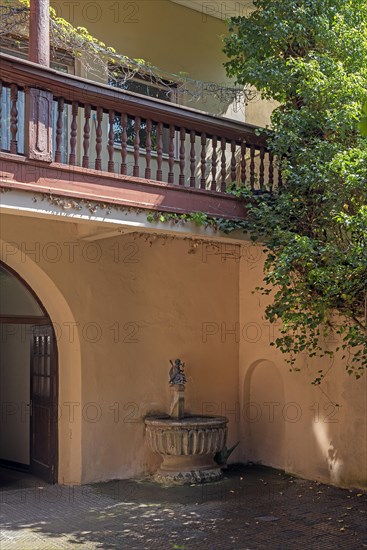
point(66, 136)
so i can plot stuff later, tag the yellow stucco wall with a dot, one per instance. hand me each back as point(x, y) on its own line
point(318, 432)
point(169, 36)
point(124, 306)
point(119, 320)
point(159, 31)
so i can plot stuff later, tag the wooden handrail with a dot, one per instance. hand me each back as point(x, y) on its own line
point(158, 139)
point(72, 88)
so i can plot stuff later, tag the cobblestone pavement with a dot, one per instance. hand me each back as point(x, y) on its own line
point(252, 508)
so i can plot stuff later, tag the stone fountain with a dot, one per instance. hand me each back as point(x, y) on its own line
point(187, 443)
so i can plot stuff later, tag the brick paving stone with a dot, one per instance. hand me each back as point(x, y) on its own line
point(231, 514)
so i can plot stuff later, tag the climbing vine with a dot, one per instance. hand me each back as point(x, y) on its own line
point(310, 56)
point(98, 58)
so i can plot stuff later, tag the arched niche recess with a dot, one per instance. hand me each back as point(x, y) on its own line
point(263, 414)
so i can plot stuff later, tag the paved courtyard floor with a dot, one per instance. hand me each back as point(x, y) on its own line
point(252, 508)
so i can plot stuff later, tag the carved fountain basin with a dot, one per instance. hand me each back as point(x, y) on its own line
point(187, 446)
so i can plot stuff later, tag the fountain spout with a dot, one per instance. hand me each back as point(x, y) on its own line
point(177, 380)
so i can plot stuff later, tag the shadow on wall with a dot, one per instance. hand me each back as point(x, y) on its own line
point(263, 423)
point(276, 435)
point(317, 433)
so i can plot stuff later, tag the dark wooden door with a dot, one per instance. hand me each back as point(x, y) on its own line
point(44, 404)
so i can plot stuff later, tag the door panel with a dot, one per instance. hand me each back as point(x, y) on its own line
point(43, 403)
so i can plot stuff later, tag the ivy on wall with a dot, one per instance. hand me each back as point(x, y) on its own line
point(310, 56)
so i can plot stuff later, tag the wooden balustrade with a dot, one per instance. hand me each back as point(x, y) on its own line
point(60, 130)
point(119, 132)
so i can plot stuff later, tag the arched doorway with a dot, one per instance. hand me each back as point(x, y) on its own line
point(28, 380)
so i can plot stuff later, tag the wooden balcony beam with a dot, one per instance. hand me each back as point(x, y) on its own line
point(75, 182)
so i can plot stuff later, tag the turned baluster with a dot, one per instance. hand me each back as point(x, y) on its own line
point(59, 129)
point(171, 154)
point(203, 161)
point(159, 151)
point(148, 149)
point(86, 136)
point(111, 140)
point(13, 119)
point(123, 144)
point(271, 170)
point(181, 180)
point(192, 159)
point(214, 163)
point(243, 163)
point(98, 161)
point(233, 162)
point(136, 146)
point(223, 164)
point(252, 167)
point(261, 168)
point(73, 132)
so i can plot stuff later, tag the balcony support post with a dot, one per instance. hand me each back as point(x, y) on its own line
point(39, 32)
point(38, 112)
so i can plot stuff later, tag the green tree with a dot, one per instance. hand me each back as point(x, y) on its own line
point(311, 57)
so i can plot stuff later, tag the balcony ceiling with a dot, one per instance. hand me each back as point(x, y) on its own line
point(221, 9)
